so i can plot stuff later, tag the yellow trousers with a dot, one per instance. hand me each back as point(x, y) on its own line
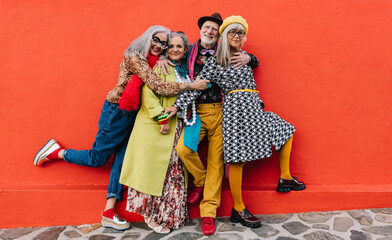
point(210, 177)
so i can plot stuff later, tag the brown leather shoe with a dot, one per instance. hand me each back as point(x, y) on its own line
point(287, 185)
point(195, 195)
point(245, 218)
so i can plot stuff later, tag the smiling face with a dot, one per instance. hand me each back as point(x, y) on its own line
point(234, 39)
point(156, 48)
point(209, 33)
point(176, 49)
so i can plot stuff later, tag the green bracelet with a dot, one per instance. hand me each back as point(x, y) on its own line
point(163, 119)
point(163, 116)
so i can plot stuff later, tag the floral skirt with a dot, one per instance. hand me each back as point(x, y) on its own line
point(170, 210)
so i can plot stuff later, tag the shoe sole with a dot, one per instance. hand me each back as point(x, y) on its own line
point(209, 233)
point(251, 225)
point(108, 224)
point(48, 145)
point(287, 188)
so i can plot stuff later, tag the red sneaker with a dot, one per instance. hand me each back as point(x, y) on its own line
point(208, 225)
point(195, 195)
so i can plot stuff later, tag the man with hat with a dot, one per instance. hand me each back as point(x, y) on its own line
point(207, 181)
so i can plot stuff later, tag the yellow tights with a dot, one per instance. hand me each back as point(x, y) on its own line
point(235, 180)
point(284, 159)
point(235, 174)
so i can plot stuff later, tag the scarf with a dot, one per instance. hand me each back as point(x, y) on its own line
point(130, 98)
point(182, 69)
point(192, 58)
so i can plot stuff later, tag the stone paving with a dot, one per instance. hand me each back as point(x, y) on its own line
point(367, 224)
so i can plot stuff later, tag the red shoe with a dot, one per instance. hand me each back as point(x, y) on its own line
point(195, 195)
point(208, 225)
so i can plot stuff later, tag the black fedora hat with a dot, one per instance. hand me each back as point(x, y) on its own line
point(216, 17)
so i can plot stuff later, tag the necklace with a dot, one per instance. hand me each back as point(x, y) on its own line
point(179, 79)
point(193, 115)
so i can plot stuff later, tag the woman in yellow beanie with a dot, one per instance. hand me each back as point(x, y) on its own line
point(248, 130)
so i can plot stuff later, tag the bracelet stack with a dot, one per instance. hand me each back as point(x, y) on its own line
point(163, 119)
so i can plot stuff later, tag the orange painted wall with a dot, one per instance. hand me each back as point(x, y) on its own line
point(326, 68)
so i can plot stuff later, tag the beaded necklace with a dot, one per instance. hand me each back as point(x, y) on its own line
point(187, 79)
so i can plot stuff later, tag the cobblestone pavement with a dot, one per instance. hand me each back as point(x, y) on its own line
point(365, 224)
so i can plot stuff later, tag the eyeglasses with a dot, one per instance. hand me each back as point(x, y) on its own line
point(233, 32)
point(157, 42)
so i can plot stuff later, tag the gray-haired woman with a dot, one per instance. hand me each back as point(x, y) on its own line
point(152, 169)
point(118, 116)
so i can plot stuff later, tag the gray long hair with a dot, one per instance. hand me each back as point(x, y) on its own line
point(223, 51)
point(184, 40)
point(141, 45)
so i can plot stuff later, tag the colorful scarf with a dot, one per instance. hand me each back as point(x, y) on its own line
point(192, 58)
point(182, 69)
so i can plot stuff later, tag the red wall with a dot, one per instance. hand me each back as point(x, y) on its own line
point(326, 68)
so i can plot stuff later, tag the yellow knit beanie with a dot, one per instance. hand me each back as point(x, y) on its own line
point(233, 19)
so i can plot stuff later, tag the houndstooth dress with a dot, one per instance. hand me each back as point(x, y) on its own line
point(248, 130)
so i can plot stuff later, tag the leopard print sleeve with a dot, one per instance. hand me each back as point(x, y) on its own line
point(151, 79)
point(125, 74)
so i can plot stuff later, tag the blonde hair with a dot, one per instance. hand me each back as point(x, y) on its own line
point(223, 52)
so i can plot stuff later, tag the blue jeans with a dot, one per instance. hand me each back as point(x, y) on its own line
point(115, 126)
